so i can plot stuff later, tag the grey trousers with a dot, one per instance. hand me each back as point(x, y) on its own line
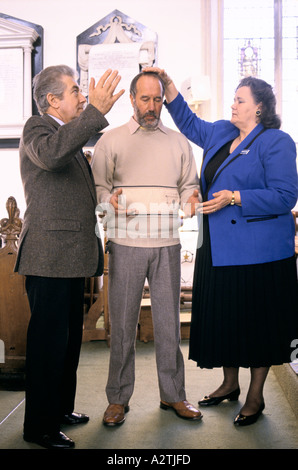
point(128, 269)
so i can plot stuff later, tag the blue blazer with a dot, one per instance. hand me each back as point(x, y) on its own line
point(263, 169)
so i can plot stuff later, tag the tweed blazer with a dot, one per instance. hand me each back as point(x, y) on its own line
point(58, 236)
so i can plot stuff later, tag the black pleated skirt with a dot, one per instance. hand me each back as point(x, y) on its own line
point(242, 316)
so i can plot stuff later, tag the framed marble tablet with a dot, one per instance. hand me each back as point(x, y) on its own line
point(116, 42)
point(21, 57)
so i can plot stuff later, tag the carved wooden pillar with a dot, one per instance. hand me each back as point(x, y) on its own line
point(14, 306)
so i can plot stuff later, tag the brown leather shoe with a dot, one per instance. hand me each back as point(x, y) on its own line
point(183, 409)
point(114, 415)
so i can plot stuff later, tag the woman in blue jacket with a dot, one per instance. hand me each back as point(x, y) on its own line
point(245, 281)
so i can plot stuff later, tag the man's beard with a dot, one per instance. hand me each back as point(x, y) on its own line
point(145, 123)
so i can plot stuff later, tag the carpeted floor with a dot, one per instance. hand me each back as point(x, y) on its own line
point(149, 427)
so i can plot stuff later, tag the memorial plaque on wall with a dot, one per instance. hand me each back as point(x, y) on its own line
point(20, 59)
point(120, 43)
point(11, 86)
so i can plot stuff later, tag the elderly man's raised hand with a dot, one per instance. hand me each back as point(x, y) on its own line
point(101, 96)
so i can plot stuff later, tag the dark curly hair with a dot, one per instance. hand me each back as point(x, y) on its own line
point(262, 93)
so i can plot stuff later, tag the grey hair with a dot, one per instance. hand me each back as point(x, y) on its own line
point(49, 80)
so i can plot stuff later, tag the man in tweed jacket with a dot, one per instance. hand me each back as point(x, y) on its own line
point(58, 246)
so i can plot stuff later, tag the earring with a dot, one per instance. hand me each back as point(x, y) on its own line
point(258, 113)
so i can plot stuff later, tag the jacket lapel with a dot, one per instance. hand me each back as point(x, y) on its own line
point(51, 120)
point(86, 168)
point(211, 151)
point(80, 159)
point(240, 150)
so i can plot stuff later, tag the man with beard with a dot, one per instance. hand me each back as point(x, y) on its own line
point(144, 172)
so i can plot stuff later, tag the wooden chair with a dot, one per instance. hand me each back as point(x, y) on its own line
point(96, 306)
point(14, 305)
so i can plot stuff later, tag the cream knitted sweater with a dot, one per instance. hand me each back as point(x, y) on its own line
point(157, 173)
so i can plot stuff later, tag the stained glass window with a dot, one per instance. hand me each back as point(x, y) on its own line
point(290, 67)
point(250, 38)
point(248, 44)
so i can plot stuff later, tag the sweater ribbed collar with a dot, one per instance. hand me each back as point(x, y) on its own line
point(134, 126)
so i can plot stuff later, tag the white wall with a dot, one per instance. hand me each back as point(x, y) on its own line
point(177, 23)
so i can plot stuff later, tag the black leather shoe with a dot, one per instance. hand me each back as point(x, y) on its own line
point(210, 401)
point(242, 420)
point(51, 441)
point(75, 418)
